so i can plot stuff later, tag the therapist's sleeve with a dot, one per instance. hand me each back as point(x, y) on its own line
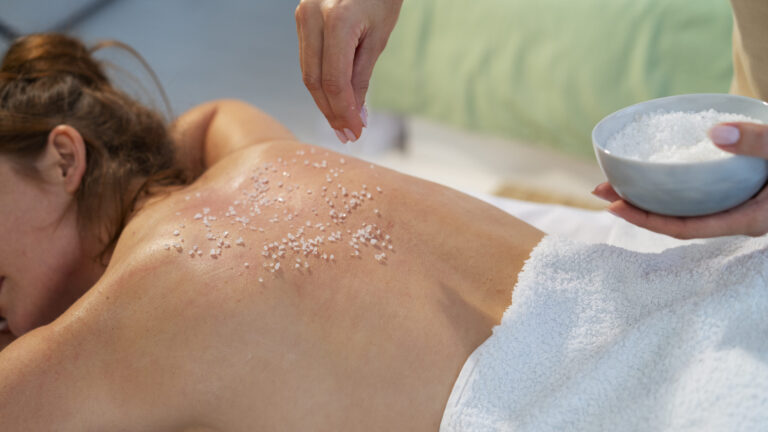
point(750, 48)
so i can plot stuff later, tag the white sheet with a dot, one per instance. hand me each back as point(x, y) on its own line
point(586, 225)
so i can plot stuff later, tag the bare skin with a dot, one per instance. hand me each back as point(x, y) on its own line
point(339, 43)
point(169, 341)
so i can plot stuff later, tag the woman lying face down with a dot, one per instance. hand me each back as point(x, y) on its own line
point(74, 152)
point(229, 277)
point(43, 253)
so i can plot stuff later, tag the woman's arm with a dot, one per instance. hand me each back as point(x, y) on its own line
point(71, 379)
point(40, 388)
point(209, 132)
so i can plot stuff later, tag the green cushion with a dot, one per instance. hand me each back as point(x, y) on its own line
point(546, 71)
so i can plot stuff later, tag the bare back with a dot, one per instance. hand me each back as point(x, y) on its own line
point(293, 288)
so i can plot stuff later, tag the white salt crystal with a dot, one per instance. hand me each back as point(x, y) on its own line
point(672, 137)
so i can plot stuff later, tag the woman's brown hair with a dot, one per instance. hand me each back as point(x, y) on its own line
point(52, 79)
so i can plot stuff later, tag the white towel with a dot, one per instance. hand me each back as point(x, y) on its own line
point(606, 339)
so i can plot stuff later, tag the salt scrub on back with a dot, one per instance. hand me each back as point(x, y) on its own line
point(672, 137)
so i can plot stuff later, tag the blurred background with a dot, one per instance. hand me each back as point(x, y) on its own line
point(490, 96)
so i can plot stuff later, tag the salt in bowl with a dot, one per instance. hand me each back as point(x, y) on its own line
point(682, 188)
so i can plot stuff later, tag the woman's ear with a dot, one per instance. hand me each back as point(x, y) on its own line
point(63, 160)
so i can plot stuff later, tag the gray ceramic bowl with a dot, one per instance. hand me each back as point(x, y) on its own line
point(683, 189)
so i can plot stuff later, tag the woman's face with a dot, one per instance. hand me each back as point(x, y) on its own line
point(41, 256)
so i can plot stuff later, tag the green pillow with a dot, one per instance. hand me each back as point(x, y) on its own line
point(545, 71)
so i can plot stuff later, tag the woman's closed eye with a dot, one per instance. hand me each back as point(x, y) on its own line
point(4, 325)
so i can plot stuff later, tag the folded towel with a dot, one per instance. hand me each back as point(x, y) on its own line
point(602, 338)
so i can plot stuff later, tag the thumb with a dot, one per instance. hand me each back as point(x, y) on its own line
point(749, 139)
